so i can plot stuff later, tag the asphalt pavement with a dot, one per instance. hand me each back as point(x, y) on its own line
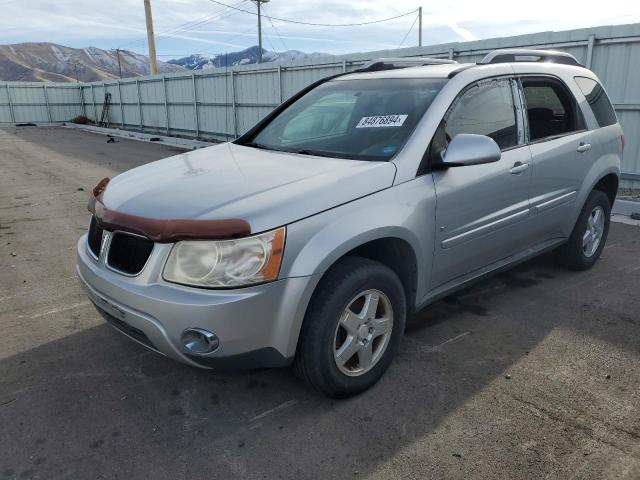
point(530, 374)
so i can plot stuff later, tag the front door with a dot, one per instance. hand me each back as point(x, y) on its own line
point(482, 210)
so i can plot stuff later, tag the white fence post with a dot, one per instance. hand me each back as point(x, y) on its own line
point(95, 109)
point(83, 111)
point(121, 107)
point(11, 113)
point(590, 42)
point(195, 104)
point(139, 106)
point(166, 108)
point(46, 101)
point(279, 84)
point(233, 105)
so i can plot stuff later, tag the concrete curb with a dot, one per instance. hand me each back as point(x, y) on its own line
point(625, 207)
point(143, 137)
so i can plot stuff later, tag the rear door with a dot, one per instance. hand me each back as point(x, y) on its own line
point(561, 153)
point(481, 210)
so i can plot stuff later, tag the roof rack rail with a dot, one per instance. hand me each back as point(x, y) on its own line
point(509, 55)
point(380, 64)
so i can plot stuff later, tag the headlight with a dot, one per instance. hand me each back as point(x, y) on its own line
point(226, 263)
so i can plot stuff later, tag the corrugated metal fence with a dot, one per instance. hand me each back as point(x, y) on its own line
point(224, 103)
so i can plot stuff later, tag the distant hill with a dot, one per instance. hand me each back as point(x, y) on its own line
point(49, 62)
point(244, 57)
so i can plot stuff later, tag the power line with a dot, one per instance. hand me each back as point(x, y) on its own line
point(299, 22)
point(407, 34)
point(228, 39)
point(221, 14)
point(277, 33)
point(270, 43)
point(186, 26)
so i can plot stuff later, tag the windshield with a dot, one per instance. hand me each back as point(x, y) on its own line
point(357, 119)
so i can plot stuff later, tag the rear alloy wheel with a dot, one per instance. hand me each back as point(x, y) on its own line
point(352, 328)
point(589, 235)
point(595, 229)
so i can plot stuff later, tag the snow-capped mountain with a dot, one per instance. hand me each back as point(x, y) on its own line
point(244, 57)
point(49, 62)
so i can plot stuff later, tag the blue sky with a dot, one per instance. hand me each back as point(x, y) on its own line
point(202, 26)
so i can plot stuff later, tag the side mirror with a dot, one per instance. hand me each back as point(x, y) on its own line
point(470, 149)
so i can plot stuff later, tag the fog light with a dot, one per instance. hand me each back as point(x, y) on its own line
point(200, 341)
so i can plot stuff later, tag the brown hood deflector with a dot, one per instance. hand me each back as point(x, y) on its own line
point(163, 230)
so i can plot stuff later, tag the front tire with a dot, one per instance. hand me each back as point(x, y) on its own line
point(589, 235)
point(352, 328)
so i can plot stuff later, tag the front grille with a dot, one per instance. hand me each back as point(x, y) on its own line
point(129, 253)
point(127, 329)
point(94, 238)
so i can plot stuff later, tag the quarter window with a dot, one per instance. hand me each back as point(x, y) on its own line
point(598, 100)
point(485, 109)
point(551, 109)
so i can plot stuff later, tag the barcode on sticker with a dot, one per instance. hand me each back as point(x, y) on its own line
point(381, 121)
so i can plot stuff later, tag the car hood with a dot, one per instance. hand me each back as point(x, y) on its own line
point(266, 188)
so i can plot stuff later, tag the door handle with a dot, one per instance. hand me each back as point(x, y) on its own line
point(583, 147)
point(518, 168)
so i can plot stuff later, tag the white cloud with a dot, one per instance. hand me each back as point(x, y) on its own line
point(118, 22)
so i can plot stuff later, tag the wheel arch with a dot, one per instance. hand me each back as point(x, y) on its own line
point(399, 234)
point(395, 252)
point(603, 176)
point(393, 246)
point(386, 245)
point(608, 184)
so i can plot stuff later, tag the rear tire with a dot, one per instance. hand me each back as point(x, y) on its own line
point(589, 235)
point(352, 329)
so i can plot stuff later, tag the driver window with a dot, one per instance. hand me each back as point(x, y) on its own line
point(485, 109)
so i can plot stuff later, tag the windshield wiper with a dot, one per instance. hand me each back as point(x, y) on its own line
point(304, 151)
point(315, 153)
point(260, 146)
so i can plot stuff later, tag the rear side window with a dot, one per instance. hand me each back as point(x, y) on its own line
point(598, 100)
point(551, 109)
point(485, 109)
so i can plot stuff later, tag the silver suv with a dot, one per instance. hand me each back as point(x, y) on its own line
point(365, 197)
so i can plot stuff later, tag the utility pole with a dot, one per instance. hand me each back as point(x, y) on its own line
point(419, 26)
point(153, 62)
point(119, 64)
point(117, 50)
point(75, 67)
point(259, 2)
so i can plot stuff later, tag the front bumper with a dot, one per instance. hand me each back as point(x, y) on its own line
point(257, 326)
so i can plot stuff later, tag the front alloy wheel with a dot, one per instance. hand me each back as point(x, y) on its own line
point(363, 332)
point(352, 328)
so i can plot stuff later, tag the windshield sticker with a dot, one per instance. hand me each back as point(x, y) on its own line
point(382, 121)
